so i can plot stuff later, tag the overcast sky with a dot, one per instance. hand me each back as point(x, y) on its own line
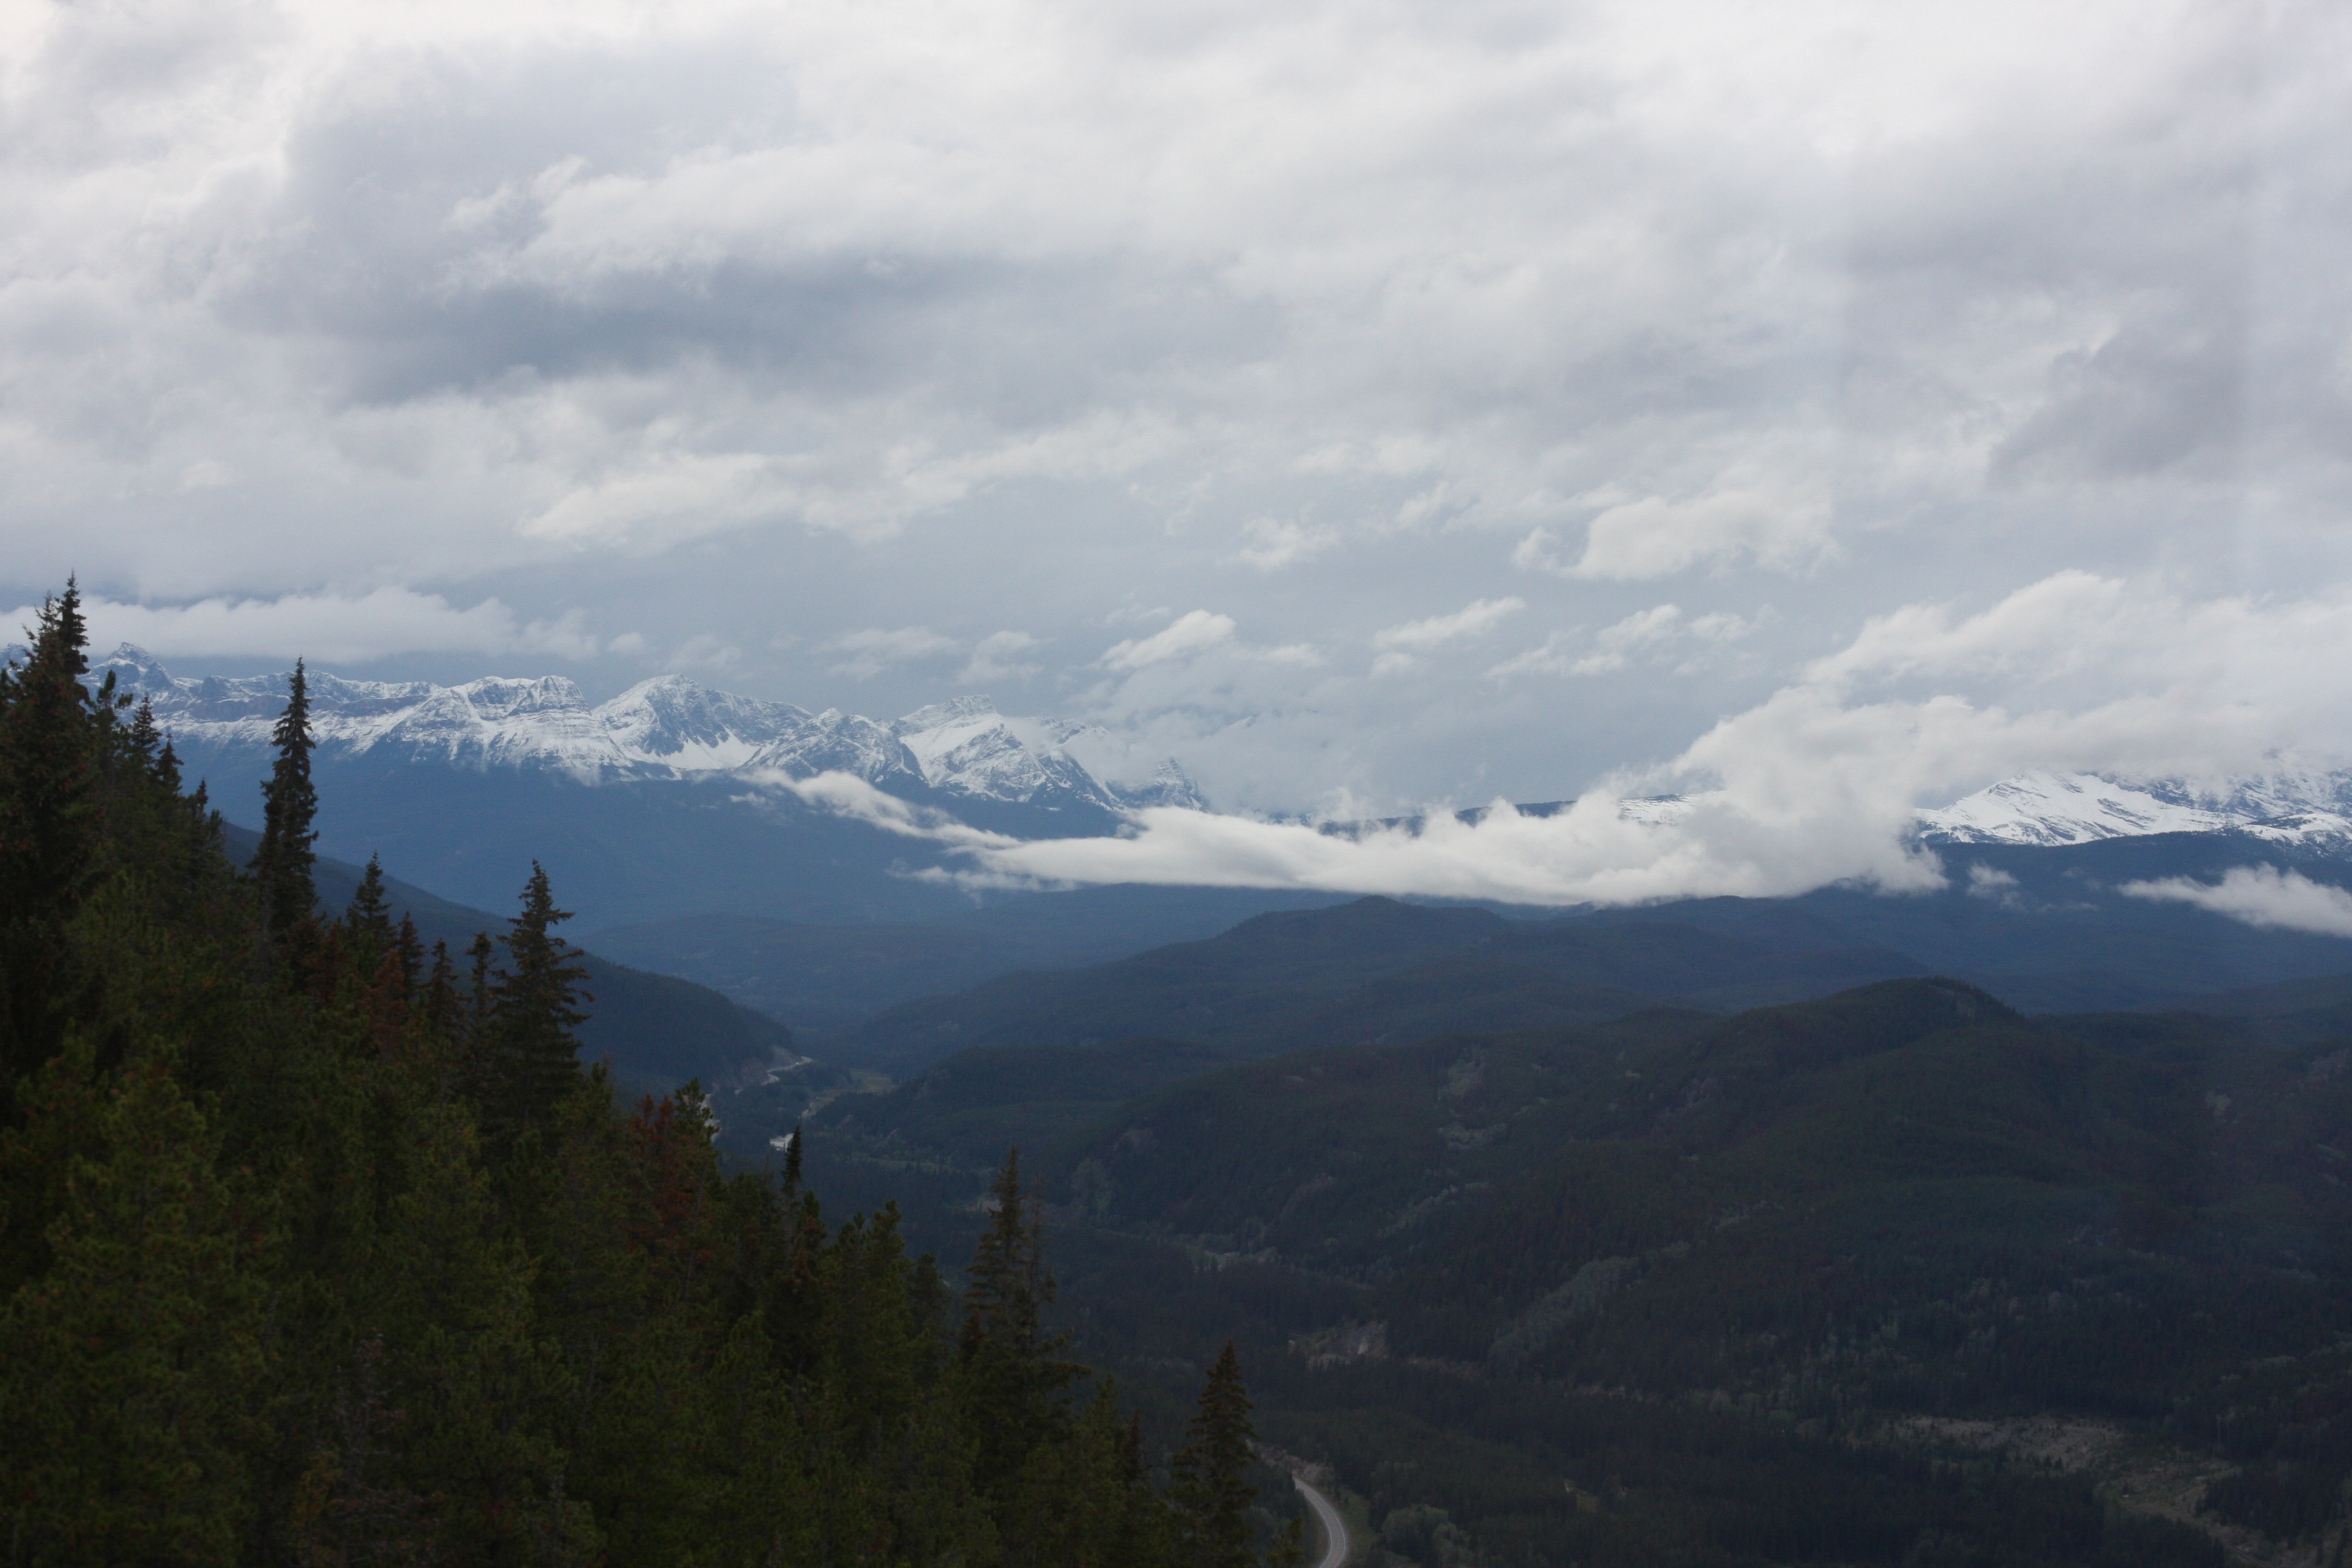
point(1368, 403)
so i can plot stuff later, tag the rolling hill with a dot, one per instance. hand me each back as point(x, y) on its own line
point(1781, 1287)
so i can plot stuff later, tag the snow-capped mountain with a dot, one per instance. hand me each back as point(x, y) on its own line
point(667, 728)
point(2053, 808)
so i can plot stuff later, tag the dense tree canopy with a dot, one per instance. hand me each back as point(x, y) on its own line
point(311, 1253)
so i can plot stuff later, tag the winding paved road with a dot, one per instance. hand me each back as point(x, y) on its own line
point(1335, 1529)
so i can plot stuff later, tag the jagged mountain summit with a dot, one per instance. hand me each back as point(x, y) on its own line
point(668, 728)
point(2301, 807)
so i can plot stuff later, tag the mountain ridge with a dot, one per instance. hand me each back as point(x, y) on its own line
point(668, 728)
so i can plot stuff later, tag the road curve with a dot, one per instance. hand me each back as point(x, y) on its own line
point(1335, 1529)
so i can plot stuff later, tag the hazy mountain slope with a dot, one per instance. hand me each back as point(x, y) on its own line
point(1790, 1236)
point(1372, 969)
point(621, 851)
point(2286, 1011)
point(827, 978)
point(2048, 928)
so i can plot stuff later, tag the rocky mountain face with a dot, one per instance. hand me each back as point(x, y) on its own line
point(666, 728)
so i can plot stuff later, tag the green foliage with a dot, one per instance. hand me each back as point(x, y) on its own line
point(1741, 1269)
point(129, 1438)
point(309, 1258)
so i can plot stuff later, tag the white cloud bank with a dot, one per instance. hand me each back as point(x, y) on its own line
point(2260, 896)
point(1188, 634)
point(1819, 783)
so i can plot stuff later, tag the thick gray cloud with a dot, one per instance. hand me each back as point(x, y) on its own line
point(1368, 403)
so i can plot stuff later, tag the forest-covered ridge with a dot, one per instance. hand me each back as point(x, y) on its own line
point(1784, 1286)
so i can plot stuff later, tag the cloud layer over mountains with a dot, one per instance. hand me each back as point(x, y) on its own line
point(1826, 409)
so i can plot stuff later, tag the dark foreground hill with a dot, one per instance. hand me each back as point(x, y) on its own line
point(1899, 1276)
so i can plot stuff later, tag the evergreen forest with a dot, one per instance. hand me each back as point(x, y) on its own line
point(320, 1246)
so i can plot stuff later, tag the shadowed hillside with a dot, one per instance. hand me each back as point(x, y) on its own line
point(1748, 1283)
point(1374, 969)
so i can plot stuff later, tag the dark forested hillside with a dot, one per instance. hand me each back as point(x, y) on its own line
point(318, 1247)
point(1899, 1276)
point(1374, 968)
point(824, 979)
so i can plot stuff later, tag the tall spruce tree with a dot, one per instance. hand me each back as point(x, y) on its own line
point(50, 826)
point(1211, 1486)
point(1018, 1381)
point(370, 915)
point(534, 1010)
point(289, 806)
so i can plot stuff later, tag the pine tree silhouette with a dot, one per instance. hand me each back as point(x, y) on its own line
point(1212, 1490)
point(289, 806)
point(369, 916)
point(1019, 1383)
point(534, 1009)
point(49, 825)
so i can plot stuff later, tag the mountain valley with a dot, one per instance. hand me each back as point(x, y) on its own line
point(2005, 1222)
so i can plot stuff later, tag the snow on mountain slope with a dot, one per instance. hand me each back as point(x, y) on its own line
point(835, 742)
point(1134, 777)
point(689, 726)
point(965, 746)
point(2045, 807)
point(671, 727)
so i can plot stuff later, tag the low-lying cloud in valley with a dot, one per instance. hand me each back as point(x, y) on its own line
point(1820, 783)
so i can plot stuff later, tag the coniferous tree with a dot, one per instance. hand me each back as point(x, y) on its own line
point(1011, 1362)
point(283, 864)
point(481, 996)
point(441, 1004)
point(129, 1360)
point(145, 737)
point(369, 916)
point(49, 826)
point(1211, 1491)
point(534, 1010)
point(408, 947)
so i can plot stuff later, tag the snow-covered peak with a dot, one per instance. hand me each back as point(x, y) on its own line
point(682, 722)
point(964, 746)
point(498, 697)
point(1169, 784)
point(835, 742)
point(954, 713)
point(2049, 807)
point(669, 727)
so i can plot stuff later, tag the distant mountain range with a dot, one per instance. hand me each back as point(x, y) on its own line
point(666, 729)
point(663, 801)
point(2306, 807)
point(666, 801)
